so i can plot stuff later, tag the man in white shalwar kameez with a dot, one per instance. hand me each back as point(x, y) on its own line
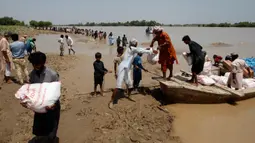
point(125, 68)
point(69, 42)
point(235, 78)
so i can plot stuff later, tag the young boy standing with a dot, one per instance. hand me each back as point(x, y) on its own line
point(99, 72)
point(137, 71)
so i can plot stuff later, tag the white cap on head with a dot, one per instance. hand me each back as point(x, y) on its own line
point(157, 29)
point(133, 42)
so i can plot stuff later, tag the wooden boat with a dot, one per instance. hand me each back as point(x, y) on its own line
point(179, 91)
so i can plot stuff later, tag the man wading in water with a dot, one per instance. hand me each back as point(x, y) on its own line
point(69, 42)
point(124, 41)
point(61, 42)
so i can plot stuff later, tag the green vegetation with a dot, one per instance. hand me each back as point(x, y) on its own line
point(11, 21)
point(16, 29)
point(128, 23)
point(153, 23)
point(34, 23)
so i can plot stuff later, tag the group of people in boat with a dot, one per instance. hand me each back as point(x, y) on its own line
point(237, 67)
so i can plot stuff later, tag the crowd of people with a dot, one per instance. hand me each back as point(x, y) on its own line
point(46, 124)
point(12, 56)
point(127, 61)
point(95, 34)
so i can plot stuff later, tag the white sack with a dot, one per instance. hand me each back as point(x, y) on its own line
point(153, 58)
point(223, 80)
point(216, 78)
point(187, 58)
point(249, 83)
point(207, 68)
point(227, 74)
point(205, 80)
point(39, 95)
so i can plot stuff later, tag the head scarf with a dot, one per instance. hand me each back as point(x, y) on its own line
point(133, 42)
point(157, 29)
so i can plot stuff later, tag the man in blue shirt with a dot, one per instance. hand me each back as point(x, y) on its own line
point(18, 55)
point(137, 71)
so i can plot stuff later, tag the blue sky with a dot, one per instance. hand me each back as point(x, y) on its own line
point(164, 11)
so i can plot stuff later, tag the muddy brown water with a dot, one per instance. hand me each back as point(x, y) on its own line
point(216, 123)
point(240, 39)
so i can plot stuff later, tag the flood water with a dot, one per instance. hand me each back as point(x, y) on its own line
point(216, 123)
point(194, 123)
point(241, 39)
point(49, 44)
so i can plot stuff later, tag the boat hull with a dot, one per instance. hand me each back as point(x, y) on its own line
point(178, 94)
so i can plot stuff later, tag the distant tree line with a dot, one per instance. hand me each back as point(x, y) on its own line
point(239, 24)
point(34, 23)
point(10, 21)
point(127, 23)
point(154, 23)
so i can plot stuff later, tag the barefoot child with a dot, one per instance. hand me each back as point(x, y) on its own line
point(99, 72)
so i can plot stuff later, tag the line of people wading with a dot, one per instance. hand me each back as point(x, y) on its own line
point(95, 34)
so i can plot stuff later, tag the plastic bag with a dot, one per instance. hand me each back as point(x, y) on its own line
point(188, 58)
point(39, 95)
point(205, 80)
point(152, 58)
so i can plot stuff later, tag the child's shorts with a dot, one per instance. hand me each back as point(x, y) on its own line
point(98, 80)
